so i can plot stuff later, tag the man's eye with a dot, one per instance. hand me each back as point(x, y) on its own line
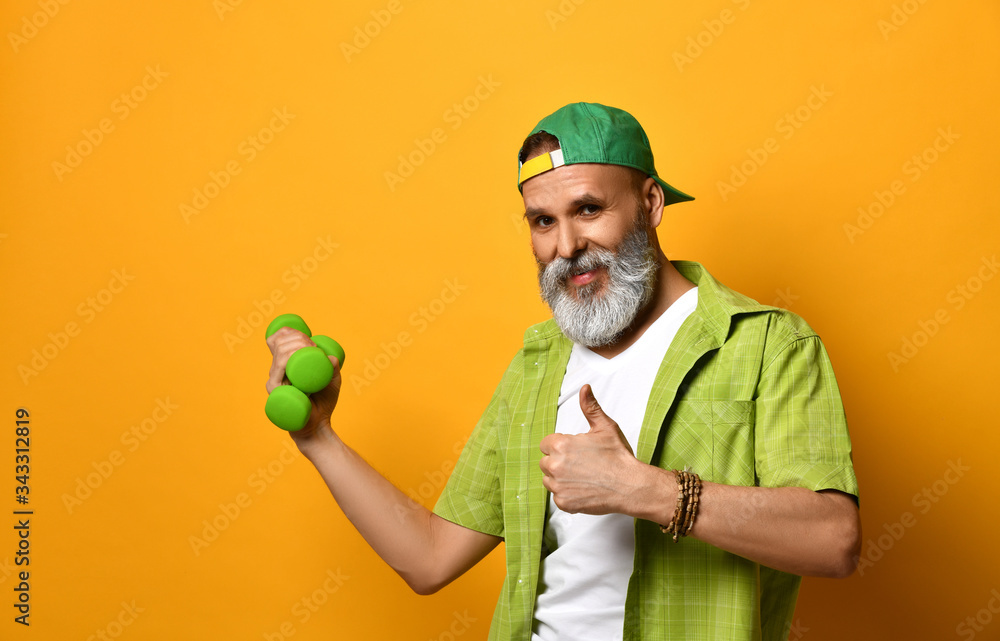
point(542, 221)
point(590, 209)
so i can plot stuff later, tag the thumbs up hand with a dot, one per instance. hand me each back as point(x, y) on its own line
point(595, 472)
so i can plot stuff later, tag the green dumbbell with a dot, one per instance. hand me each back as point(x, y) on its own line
point(288, 408)
point(331, 348)
point(308, 370)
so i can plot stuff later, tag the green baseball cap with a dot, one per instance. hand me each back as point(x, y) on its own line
point(595, 133)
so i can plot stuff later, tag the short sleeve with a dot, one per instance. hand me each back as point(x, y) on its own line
point(473, 496)
point(801, 436)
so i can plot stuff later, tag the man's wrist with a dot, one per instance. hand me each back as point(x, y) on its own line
point(319, 441)
point(658, 498)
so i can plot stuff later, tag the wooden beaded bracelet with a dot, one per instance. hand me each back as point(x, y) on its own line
point(688, 498)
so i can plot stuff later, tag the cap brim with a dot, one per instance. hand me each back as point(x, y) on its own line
point(671, 195)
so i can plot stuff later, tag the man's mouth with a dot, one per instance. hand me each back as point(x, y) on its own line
point(583, 277)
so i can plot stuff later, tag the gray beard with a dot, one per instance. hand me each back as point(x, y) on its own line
point(596, 320)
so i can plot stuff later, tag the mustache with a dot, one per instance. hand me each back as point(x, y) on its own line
point(558, 270)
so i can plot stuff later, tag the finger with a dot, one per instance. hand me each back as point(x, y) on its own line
point(283, 343)
point(275, 378)
point(281, 354)
point(286, 336)
point(547, 444)
point(592, 410)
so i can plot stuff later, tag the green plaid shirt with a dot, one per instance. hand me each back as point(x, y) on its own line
point(745, 395)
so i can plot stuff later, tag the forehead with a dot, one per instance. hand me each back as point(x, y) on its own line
point(569, 183)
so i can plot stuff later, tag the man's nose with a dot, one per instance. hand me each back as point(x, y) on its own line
point(571, 242)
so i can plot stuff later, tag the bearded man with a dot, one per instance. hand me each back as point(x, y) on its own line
point(715, 472)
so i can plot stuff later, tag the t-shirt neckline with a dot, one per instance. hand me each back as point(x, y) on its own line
point(680, 308)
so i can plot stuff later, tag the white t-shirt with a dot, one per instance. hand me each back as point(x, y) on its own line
point(584, 576)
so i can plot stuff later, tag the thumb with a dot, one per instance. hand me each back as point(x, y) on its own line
point(592, 410)
point(599, 421)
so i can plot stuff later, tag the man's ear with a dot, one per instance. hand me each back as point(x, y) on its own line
point(652, 201)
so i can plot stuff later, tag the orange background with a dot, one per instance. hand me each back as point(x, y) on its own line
point(782, 118)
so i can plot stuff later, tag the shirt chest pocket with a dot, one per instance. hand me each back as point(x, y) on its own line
point(715, 438)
